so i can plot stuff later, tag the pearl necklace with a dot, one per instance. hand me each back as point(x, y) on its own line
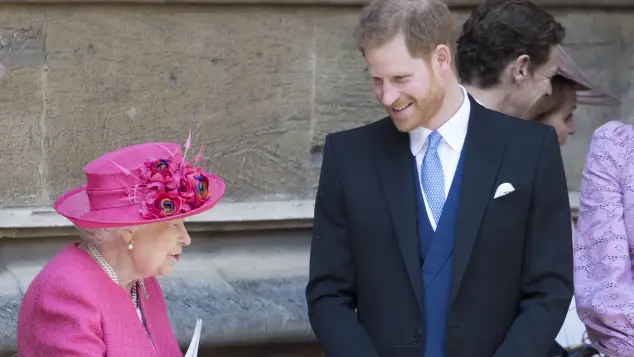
point(104, 264)
point(135, 297)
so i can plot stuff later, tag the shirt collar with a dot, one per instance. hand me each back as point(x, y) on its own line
point(453, 131)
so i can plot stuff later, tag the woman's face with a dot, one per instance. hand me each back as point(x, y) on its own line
point(560, 116)
point(157, 247)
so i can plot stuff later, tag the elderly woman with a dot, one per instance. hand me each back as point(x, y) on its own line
point(99, 296)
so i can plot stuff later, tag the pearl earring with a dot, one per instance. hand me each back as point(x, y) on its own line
point(131, 245)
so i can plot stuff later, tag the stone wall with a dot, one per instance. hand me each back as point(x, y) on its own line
point(260, 86)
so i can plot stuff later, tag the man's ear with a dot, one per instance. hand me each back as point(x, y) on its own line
point(441, 59)
point(519, 68)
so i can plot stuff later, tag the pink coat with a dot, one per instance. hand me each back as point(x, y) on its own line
point(73, 308)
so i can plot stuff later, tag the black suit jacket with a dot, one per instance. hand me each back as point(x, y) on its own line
point(511, 282)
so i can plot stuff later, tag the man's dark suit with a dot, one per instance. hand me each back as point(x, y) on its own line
point(511, 267)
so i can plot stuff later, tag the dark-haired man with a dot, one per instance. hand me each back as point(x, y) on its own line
point(509, 57)
point(507, 54)
point(507, 72)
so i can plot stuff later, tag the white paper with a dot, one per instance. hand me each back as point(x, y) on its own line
point(192, 351)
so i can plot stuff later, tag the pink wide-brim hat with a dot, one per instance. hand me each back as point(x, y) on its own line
point(127, 187)
point(587, 92)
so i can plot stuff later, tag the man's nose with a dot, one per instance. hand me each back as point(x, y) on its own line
point(389, 94)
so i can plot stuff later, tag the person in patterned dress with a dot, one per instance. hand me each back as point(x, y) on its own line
point(604, 277)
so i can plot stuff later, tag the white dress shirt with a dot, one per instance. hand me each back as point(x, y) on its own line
point(453, 133)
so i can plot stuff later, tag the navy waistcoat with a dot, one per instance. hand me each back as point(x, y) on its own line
point(435, 252)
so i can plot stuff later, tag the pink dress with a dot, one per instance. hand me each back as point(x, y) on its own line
point(604, 243)
point(73, 308)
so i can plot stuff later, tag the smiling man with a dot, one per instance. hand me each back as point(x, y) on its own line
point(443, 229)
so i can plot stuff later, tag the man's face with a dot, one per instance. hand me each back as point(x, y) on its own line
point(530, 88)
point(408, 88)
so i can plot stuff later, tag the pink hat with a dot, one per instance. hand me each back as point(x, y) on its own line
point(140, 184)
point(587, 93)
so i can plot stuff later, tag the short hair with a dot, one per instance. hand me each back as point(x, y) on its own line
point(95, 236)
point(498, 32)
point(425, 24)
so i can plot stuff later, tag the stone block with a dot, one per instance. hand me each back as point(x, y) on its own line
point(239, 312)
point(343, 89)
point(591, 27)
point(240, 78)
point(594, 41)
point(22, 107)
point(21, 136)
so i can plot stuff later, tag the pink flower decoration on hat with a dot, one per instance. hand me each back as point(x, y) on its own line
point(169, 186)
point(161, 205)
point(195, 185)
point(159, 170)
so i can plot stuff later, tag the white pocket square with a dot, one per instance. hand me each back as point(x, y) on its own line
point(503, 189)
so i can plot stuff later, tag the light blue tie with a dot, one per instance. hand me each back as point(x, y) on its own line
point(432, 177)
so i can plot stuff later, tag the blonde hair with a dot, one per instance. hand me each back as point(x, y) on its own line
point(425, 24)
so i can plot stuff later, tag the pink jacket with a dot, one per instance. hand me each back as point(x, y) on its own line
point(72, 308)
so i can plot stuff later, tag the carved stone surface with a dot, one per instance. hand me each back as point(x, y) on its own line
point(22, 114)
point(343, 90)
point(239, 312)
point(141, 74)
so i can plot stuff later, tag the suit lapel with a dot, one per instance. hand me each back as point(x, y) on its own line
point(394, 165)
point(483, 151)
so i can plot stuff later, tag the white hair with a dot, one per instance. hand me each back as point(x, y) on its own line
point(99, 236)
